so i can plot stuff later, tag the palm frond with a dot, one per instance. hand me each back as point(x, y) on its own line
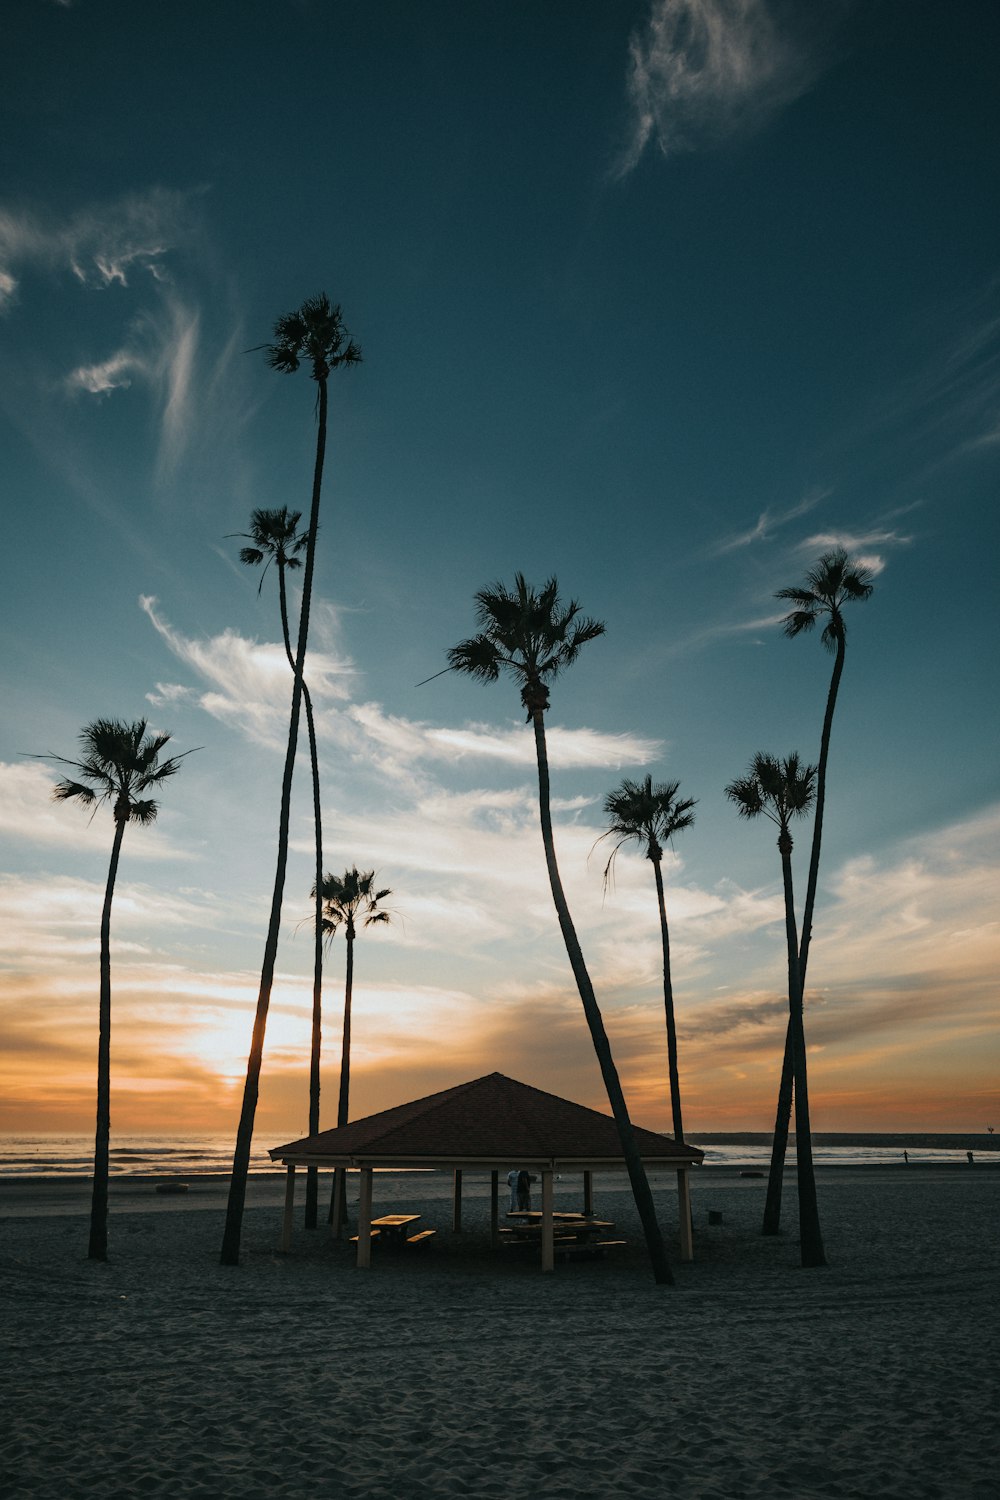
point(526, 632)
point(779, 789)
point(745, 791)
point(314, 332)
point(832, 582)
point(143, 813)
point(477, 657)
point(67, 791)
point(648, 813)
point(120, 762)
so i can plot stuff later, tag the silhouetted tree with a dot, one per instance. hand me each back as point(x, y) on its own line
point(347, 900)
point(649, 816)
point(314, 334)
point(782, 790)
point(275, 538)
point(119, 764)
point(533, 636)
point(834, 582)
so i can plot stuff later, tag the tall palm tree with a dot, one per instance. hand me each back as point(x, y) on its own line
point(313, 334)
point(533, 636)
point(832, 583)
point(782, 790)
point(649, 816)
point(275, 537)
point(119, 764)
point(345, 901)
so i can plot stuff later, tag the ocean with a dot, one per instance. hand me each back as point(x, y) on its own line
point(66, 1156)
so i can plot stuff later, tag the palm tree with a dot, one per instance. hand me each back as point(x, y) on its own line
point(782, 790)
point(345, 900)
point(649, 816)
point(834, 582)
point(119, 764)
point(314, 333)
point(275, 538)
point(533, 636)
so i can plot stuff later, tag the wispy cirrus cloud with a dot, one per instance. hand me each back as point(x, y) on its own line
point(142, 246)
point(768, 522)
point(245, 683)
point(249, 688)
point(102, 245)
point(701, 71)
point(865, 547)
point(160, 352)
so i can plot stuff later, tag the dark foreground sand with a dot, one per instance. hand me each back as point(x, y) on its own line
point(461, 1371)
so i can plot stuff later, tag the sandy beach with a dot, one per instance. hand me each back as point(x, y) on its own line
point(459, 1370)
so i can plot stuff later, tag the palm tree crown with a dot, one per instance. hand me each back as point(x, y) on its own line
point(648, 815)
point(781, 790)
point(315, 333)
point(530, 634)
point(276, 539)
point(347, 895)
point(833, 582)
point(120, 762)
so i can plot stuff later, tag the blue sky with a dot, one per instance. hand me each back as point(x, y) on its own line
point(664, 298)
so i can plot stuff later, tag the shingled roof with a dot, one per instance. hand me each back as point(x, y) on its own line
point(493, 1121)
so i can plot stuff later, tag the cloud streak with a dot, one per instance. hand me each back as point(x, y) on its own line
point(701, 71)
point(768, 522)
point(102, 245)
point(249, 689)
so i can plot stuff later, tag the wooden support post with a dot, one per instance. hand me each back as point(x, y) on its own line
point(588, 1192)
point(494, 1208)
point(456, 1223)
point(548, 1245)
point(338, 1215)
point(286, 1227)
point(684, 1210)
point(365, 1220)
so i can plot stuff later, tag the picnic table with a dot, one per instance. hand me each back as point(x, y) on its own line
point(570, 1231)
point(395, 1228)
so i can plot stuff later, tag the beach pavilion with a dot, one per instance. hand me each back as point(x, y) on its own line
point(489, 1125)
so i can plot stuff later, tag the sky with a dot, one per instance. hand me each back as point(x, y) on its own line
point(664, 298)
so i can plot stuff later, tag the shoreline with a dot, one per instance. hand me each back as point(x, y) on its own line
point(207, 1192)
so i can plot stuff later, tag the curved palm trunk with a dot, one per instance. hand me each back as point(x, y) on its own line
point(230, 1254)
point(312, 1173)
point(668, 1005)
point(316, 1041)
point(98, 1247)
point(779, 1143)
point(338, 1202)
point(810, 1237)
point(602, 1047)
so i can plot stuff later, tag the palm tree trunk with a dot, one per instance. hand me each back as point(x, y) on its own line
point(602, 1047)
point(817, 838)
point(668, 1005)
point(98, 1248)
point(810, 1236)
point(316, 1042)
point(343, 1100)
point(779, 1143)
point(312, 1173)
point(230, 1254)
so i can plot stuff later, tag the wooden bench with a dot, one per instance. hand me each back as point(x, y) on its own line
point(585, 1249)
point(421, 1238)
point(374, 1235)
